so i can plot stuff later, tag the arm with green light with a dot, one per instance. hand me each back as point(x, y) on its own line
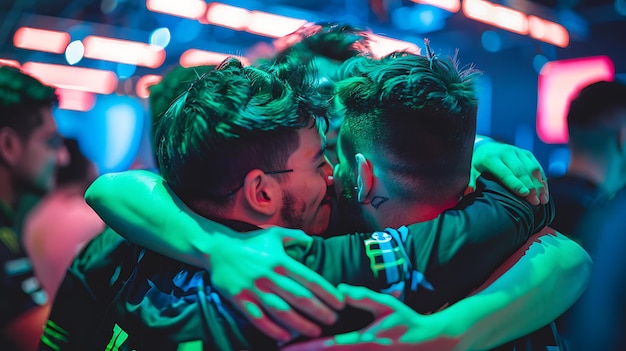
point(254, 271)
point(536, 285)
point(140, 206)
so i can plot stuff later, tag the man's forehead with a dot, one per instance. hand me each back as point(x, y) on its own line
point(315, 139)
point(311, 146)
point(48, 124)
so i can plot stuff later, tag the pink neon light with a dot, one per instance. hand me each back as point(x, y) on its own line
point(509, 19)
point(195, 57)
point(381, 45)
point(477, 9)
point(41, 40)
point(75, 100)
point(228, 16)
point(124, 51)
point(547, 31)
point(75, 78)
point(271, 25)
point(516, 21)
point(193, 9)
point(496, 15)
point(256, 22)
point(448, 5)
point(558, 82)
point(12, 63)
point(144, 83)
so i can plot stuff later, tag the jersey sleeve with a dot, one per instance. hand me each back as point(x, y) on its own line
point(91, 282)
point(458, 251)
point(20, 290)
point(434, 263)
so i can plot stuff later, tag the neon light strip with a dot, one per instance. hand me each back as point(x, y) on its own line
point(144, 83)
point(124, 51)
point(195, 57)
point(448, 5)
point(193, 9)
point(76, 78)
point(41, 40)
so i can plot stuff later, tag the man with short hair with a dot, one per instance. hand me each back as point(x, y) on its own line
point(30, 151)
point(590, 200)
point(257, 200)
point(596, 122)
point(272, 115)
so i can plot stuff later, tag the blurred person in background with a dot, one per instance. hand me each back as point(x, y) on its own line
point(31, 150)
point(590, 202)
point(61, 223)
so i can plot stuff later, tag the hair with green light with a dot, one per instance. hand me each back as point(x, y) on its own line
point(333, 40)
point(418, 115)
point(174, 82)
point(231, 120)
point(21, 99)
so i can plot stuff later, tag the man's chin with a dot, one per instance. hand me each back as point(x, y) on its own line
point(322, 224)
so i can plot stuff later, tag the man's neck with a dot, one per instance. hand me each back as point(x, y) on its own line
point(398, 214)
point(237, 225)
point(605, 172)
point(589, 169)
point(241, 220)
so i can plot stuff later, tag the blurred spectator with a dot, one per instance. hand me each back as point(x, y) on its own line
point(62, 222)
point(30, 151)
point(590, 203)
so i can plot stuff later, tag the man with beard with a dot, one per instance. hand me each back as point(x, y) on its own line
point(30, 151)
point(155, 307)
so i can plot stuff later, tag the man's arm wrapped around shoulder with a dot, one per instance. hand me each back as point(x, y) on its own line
point(434, 262)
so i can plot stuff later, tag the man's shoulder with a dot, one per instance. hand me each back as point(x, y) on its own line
point(572, 187)
point(103, 245)
point(107, 260)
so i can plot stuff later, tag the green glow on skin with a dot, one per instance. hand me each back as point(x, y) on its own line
point(253, 310)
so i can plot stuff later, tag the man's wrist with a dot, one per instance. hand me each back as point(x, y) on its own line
point(482, 139)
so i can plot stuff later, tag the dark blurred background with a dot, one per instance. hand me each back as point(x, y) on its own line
point(112, 122)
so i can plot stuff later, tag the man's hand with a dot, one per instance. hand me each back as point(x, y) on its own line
point(517, 169)
point(397, 327)
point(270, 288)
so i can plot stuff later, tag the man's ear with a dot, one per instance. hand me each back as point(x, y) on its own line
point(261, 193)
point(10, 146)
point(364, 177)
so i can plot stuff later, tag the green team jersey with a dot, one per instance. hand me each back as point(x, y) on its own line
point(20, 290)
point(163, 304)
